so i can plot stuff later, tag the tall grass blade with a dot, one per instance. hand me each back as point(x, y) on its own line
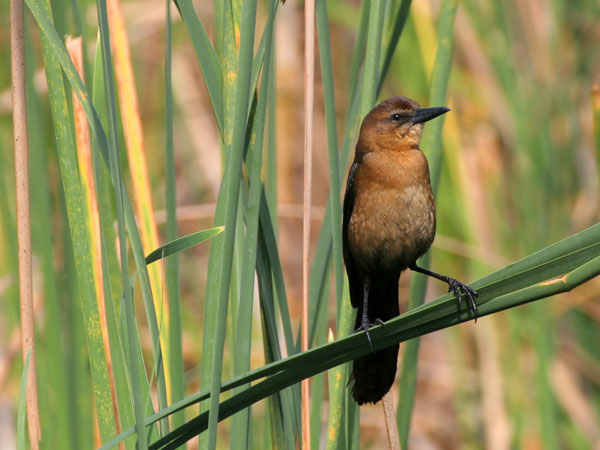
point(125, 219)
point(92, 218)
point(78, 228)
point(140, 182)
point(268, 236)
point(221, 254)
point(269, 271)
point(136, 369)
point(285, 411)
point(241, 422)
point(111, 273)
point(175, 361)
point(332, 141)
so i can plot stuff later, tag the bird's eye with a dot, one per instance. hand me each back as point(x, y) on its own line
point(396, 116)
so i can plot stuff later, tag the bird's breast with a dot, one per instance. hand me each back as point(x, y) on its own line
point(392, 222)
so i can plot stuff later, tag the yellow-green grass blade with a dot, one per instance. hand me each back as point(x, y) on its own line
point(113, 282)
point(125, 219)
point(104, 187)
point(139, 183)
point(231, 12)
point(229, 62)
point(81, 403)
point(104, 94)
point(78, 227)
point(172, 264)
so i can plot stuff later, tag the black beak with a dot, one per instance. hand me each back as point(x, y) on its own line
point(425, 114)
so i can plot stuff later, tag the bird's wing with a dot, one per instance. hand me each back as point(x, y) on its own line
point(354, 279)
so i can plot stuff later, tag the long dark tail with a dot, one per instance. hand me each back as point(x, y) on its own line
point(374, 374)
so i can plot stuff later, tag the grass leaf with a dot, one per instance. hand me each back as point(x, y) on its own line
point(182, 243)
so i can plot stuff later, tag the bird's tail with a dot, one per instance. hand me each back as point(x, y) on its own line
point(374, 373)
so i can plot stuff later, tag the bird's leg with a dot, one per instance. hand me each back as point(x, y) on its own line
point(453, 285)
point(365, 323)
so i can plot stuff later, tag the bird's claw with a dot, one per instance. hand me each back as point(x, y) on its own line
point(459, 289)
point(365, 326)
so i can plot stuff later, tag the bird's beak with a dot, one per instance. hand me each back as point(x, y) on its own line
point(425, 114)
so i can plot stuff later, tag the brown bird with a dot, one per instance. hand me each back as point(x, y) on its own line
point(389, 223)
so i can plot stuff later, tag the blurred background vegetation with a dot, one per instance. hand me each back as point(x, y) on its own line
point(520, 171)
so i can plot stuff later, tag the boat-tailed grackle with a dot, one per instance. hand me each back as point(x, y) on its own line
point(389, 223)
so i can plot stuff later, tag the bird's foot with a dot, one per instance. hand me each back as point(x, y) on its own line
point(365, 325)
point(459, 289)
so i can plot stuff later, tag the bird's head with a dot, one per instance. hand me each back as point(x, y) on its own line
point(395, 124)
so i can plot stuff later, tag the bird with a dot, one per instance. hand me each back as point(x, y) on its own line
point(389, 222)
